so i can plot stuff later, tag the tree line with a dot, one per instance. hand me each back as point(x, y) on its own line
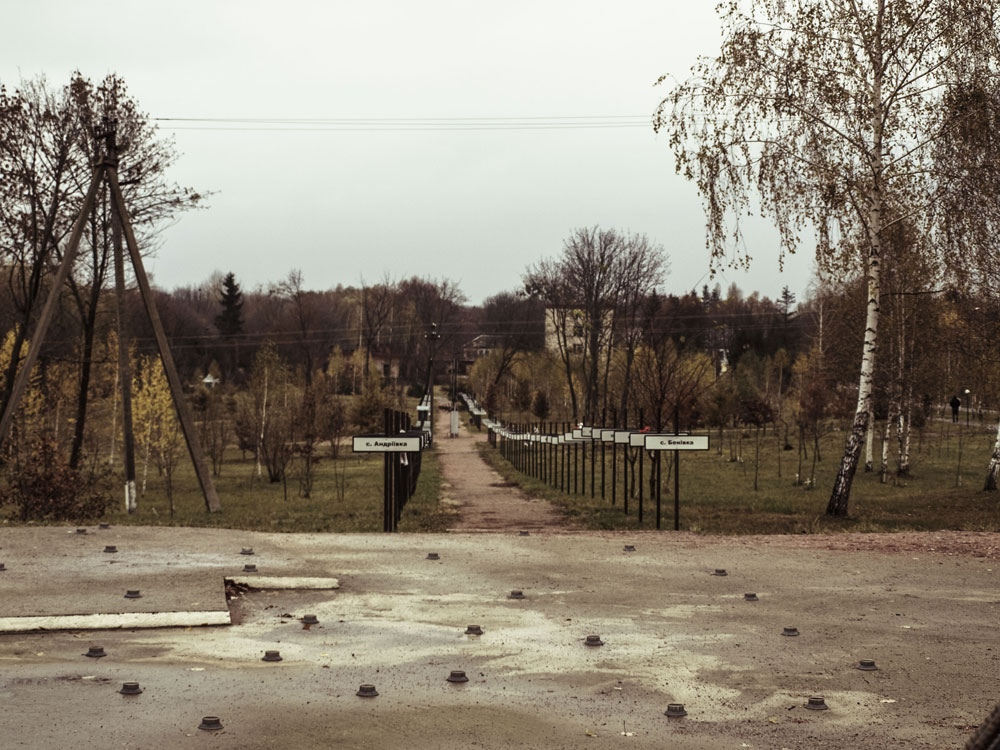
point(906, 272)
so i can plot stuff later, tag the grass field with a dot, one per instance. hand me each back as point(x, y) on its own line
point(717, 494)
point(251, 503)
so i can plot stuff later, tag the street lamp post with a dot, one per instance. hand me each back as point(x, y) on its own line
point(431, 336)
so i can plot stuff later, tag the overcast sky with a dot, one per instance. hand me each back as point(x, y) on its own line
point(473, 205)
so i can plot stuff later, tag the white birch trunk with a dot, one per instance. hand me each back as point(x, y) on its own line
point(869, 439)
point(993, 472)
point(841, 493)
point(905, 424)
point(263, 421)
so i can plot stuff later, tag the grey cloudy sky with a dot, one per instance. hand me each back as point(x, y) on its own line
point(476, 206)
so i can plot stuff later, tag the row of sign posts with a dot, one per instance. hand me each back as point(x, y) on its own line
point(540, 454)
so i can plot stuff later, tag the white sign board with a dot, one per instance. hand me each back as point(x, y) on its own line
point(607, 436)
point(676, 442)
point(622, 437)
point(576, 434)
point(586, 432)
point(383, 444)
point(637, 439)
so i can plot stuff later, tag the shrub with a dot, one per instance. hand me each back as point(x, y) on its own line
point(43, 487)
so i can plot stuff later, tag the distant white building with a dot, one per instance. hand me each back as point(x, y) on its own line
point(557, 318)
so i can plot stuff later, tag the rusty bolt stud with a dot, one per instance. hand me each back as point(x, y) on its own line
point(210, 723)
point(751, 597)
point(516, 594)
point(675, 710)
point(816, 703)
point(104, 526)
point(457, 675)
point(629, 548)
point(3, 567)
point(81, 531)
point(433, 556)
point(790, 631)
point(593, 640)
point(246, 550)
point(474, 630)
point(272, 656)
point(720, 572)
point(310, 620)
point(867, 665)
point(133, 594)
point(110, 548)
point(367, 691)
point(249, 568)
point(130, 688)
point(95, 652)
point(524, 533)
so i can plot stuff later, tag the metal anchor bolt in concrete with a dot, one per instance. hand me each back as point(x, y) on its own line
point(104, 526)
point(474, 630)
point(95, 652)
point(720, 572)
point(457, 675)
point(523, 533)
point(210, 723)
point(817, 704)
point(867, 665)
point(3, 567)
point(310, 620)
point(750, 598)
point(248, 568)
point(593, 640)
point(367, 691)
point(629, 548)
point(110, 548)
point(246, 550)
point(790, 631)
point(675, 710)
point(433, 556)
point(272, 656)
point(130, 688)
point(133, 594)
point(81, 531)
point(516, 594)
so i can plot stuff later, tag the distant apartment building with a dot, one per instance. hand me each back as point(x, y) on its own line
point(573, 320)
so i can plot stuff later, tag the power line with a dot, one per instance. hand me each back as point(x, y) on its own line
point(381, 124)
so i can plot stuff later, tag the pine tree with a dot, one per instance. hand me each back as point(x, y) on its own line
point(230, 320)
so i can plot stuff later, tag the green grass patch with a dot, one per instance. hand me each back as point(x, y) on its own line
point(717, 493)
point(346, 497)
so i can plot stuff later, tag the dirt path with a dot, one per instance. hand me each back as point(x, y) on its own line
point(483, 500)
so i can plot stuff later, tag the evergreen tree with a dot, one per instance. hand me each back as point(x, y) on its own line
point(230, 320)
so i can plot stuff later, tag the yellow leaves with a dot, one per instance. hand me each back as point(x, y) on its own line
point(153, 414)
point(32, 406)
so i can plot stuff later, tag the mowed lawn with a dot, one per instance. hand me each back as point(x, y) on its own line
point(717, 493)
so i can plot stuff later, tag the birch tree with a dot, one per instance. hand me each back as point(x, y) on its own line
point(831, 113)
point(157, 429)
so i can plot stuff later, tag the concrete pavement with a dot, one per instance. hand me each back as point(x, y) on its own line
point(672, 632)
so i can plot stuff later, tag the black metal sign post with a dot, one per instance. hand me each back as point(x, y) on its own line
point(401, 449)
point(675, 443)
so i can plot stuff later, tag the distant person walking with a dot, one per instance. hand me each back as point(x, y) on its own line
point(956, 402)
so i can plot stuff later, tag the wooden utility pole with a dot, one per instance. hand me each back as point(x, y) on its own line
point(124, 367)
point(107, 169)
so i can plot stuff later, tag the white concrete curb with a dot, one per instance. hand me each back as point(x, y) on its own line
point(114, 621)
